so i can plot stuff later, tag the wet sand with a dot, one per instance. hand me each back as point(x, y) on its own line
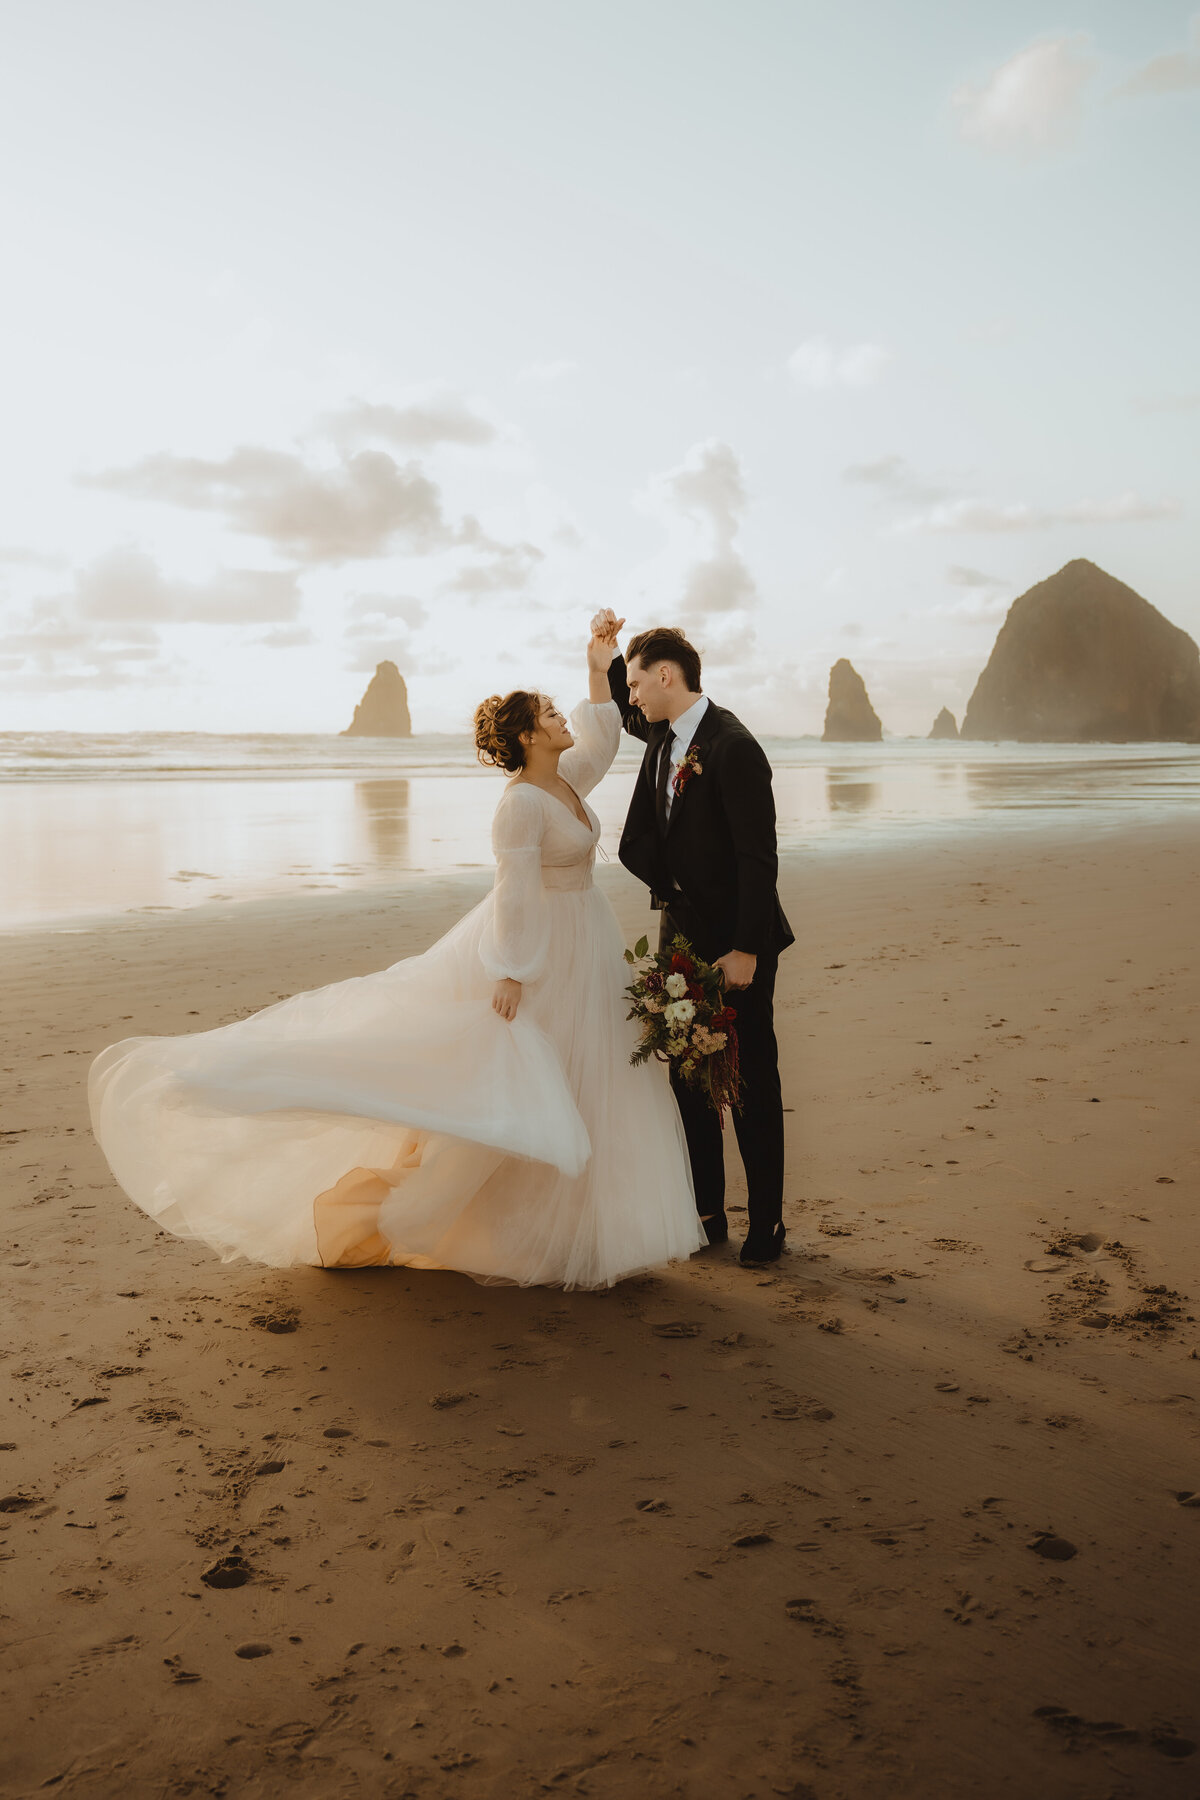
point(906, 1515)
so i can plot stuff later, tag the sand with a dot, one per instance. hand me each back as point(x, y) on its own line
point(901, 1517)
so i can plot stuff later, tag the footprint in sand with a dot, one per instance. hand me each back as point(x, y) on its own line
point(232, 1571)
point(1052, 1547)
point(281, 1321)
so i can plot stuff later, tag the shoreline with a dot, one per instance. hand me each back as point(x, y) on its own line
point(456, 883)
point(765, 1532)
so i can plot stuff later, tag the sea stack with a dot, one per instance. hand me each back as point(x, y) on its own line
point(944, 726)
point(383, 709)
point(1082, 659)
point(850, 718)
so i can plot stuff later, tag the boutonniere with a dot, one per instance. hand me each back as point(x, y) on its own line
point(691, 765)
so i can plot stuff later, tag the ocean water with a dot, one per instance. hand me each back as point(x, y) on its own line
point(97, 825)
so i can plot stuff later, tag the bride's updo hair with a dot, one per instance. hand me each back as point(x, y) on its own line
point(499, 722)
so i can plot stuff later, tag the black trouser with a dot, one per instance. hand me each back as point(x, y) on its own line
point(758, 1121)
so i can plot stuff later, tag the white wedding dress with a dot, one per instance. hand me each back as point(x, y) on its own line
point(395, 1118)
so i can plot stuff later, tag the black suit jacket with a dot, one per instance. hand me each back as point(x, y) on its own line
point(719, 847)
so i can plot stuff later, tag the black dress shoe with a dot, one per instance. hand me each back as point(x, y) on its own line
point(758, 1249)
point(716, 1229)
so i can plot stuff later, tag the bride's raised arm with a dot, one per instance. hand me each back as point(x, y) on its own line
point(595, 722)
point(514, 942)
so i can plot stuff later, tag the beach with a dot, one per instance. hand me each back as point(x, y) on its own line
point(906, 1514)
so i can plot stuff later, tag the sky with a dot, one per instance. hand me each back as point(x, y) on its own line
point(337, 330)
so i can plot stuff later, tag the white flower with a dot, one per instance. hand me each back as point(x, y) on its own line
point(678, 1012)
point(676, 985)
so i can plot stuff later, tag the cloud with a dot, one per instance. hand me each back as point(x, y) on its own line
point(381, 628)
point(286, 637)
point(360, 506)
point(366, 649)
point(17, 556)
point(708, 490)
point(51, 649)
point(422, 425)
point(893, 479)
point(885, 471)
point(127, 584)
point(816, 363)
point(101, 632)
point(958, 575)
point(1032, 104)
point(976, 609)
point(389, 606)
point(987, 515)
point(363, 506)
point(1171, 73)
point(507, 568)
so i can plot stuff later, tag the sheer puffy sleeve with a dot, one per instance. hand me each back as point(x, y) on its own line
point(596, 728)
point(516, 937)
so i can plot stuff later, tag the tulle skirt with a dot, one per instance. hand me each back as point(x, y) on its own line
point(395, 1118)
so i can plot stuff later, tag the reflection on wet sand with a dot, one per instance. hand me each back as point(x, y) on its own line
point(846, 791)
point(74, 848)
point(1032, 786)
point(385, 806)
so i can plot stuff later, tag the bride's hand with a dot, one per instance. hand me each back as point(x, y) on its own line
point(603, 645)
point(506, 997)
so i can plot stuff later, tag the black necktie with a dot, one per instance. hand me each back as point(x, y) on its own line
point(660, 792)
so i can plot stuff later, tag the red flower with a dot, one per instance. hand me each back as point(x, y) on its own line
point(695, 991)
point(688, 767)
point(682, 965)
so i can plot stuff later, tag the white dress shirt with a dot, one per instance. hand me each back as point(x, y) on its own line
point(682, 732)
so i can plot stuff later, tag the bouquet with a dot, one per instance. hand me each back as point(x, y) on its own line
point(679, 1002)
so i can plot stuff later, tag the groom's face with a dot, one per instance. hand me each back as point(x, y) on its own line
point(649, 688)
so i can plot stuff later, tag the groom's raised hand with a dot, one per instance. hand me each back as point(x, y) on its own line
point(603, 645)
point(606, 625)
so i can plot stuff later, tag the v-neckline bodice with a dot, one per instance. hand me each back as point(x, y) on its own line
point(585, 824)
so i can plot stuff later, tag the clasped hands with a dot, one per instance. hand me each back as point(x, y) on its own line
point(603, 645)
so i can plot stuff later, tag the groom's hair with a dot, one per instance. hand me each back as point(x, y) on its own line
point(664, 644)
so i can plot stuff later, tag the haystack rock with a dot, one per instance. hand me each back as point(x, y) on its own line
point(1082, 659)
point(850, 718)
point(944, 726)
point(383, 709)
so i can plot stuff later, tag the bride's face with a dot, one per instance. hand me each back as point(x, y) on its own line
point(552, 731)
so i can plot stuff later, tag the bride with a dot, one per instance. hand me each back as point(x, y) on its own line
point(473, 1108)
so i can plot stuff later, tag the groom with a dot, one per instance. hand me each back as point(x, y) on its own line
point(701, 834)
